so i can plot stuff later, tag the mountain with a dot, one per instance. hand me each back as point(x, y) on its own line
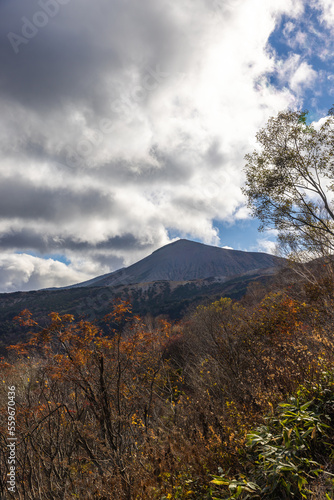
point(186, 260)
point(168, 282)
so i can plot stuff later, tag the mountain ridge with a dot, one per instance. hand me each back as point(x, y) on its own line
point(185, 260)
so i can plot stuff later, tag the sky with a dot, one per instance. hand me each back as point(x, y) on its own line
point(124, 124)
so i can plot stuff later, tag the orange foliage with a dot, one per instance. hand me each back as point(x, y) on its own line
point(132, 412)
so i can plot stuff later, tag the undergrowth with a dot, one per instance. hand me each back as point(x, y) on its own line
point(294, 447)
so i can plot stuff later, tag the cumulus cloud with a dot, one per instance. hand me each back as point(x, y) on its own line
point(266, 245)
point(123, 122)
point(26, 272)
point(303, 76)
point(327, 11)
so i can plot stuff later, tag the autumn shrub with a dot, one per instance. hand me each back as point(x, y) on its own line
point(253, 356)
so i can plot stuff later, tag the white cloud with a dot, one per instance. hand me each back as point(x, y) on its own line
point(327, 9)
point(288, 29)
point(296, 74)
point(26, 272)
point(304, 76)
point(266, 246)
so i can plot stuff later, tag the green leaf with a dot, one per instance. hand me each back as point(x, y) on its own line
point(220, 482)
point(306, 405)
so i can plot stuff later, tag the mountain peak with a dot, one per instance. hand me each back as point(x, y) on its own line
point(181, 243)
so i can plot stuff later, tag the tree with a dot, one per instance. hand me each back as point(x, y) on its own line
point(86, 406)
point(290, 179)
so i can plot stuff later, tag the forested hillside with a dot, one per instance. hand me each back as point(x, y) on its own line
point(164, 410)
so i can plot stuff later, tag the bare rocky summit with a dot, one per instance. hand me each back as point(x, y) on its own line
point(186, 260)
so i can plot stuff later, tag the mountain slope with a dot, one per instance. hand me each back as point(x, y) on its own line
point(170, 298)
point(172, 279)
point(186, 260)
